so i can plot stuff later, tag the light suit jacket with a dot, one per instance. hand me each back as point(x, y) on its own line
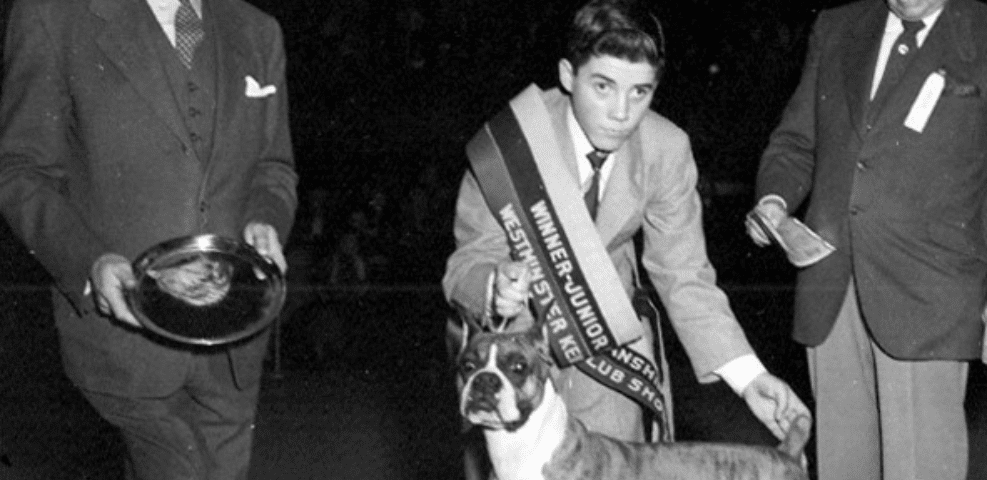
point(652, 187)
point(904, 209)
point(95, 158)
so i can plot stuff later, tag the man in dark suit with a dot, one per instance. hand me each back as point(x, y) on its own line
point(126, 123)
point(648, 183)
point(885, 138)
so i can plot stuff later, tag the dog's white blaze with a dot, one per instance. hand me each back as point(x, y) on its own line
point(506, 405)
point(521, 454)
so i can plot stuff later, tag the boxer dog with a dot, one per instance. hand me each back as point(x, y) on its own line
point(505, 387)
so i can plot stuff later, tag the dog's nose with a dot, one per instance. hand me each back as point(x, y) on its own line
point(487, 383)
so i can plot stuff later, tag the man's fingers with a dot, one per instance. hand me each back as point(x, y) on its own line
point(102, 305)
point(756, 234)
point(511, 288)
point(111, 275)
point(265, 240)
point(121, 311)
point(508, 309)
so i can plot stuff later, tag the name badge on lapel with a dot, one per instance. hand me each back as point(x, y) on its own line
point(926, 101)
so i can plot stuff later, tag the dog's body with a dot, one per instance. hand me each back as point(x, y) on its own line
point(505, 387)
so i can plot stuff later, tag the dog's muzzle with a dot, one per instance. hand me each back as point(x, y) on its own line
point(483, 390)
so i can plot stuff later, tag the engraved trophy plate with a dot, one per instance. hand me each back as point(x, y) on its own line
point(205, 290)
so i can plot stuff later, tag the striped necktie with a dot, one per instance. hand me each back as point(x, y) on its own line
point(902, 52)
point(188, 32)
point(592, 196)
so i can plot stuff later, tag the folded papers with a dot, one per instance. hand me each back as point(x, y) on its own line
point(802, 246)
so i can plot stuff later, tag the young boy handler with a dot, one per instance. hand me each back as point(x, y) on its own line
point(647, 182)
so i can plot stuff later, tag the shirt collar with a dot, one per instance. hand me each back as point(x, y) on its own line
point(171, 6)
point(893, 26)
point(582, 147)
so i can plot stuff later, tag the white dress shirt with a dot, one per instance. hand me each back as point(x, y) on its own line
point(582, 147)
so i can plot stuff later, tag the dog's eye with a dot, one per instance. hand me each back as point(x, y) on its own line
point(467, 366)
point(519, 367)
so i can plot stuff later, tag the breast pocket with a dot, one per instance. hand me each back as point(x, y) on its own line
point(960, 122)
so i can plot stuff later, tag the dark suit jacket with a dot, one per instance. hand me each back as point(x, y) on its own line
point(904, 209)
point(652, 187)
point(95, 158)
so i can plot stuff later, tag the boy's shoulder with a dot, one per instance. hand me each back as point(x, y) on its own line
point(657, 125)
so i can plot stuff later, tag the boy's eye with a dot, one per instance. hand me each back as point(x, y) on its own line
point(639, 92)
point(602, 87)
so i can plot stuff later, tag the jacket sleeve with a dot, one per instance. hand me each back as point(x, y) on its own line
point(788, 161)
point(36, 119)
point(273, 198)
point(675, 258)
point(480, 246)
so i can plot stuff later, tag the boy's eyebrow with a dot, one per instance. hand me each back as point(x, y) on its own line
point(603, 77)
point(648, 85)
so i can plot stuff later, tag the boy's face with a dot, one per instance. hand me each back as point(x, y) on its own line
point(610, 96)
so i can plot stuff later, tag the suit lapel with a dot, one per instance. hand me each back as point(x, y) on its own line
point(232, 64)
point(126, 42)
point(623, 191)
point(862, 46)
point(927, 60)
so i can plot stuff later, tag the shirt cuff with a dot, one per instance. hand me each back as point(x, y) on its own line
point(741, 371)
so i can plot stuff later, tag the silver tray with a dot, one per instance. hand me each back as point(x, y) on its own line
point(205, 290)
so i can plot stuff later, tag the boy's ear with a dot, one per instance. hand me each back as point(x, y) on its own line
point(567, 74)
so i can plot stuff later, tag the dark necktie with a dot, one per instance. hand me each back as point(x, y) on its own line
point(902, 52)
point(592, 196)
point(188, 32)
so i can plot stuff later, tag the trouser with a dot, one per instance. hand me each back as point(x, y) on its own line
point(882, 418)
point(203, 431)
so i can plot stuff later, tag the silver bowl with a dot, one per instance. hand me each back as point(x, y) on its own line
point(205, 290)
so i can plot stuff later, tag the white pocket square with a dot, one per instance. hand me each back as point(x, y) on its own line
point(254, 90)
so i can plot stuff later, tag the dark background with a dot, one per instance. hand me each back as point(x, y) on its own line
point(384, 96)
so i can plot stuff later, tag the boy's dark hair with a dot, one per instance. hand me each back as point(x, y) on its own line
point(618, 28)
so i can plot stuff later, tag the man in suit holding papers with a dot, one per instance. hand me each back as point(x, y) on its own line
point(884, 138)
point(647, 182)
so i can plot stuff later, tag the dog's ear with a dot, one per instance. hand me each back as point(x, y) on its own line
point(461, 328)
